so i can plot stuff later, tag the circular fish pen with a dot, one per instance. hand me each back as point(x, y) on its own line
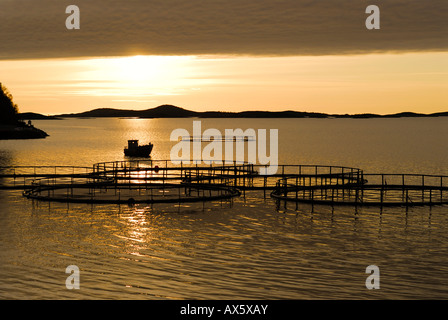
point(368, 190)
point(132, 182)
point(304, 175)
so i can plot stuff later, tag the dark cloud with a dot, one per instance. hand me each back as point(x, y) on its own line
point(36, 29)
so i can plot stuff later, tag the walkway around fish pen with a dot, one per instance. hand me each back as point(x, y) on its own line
point(22, 177)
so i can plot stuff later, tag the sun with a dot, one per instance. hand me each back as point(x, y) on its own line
point(138, 69)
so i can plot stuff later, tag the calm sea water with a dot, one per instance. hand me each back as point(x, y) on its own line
point(249, 248)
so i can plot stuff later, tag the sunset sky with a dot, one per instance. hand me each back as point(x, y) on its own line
point(232, 55)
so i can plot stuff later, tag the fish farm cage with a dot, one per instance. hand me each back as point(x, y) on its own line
point(162, 181)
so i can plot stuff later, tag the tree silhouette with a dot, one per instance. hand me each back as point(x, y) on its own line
point(8, 109)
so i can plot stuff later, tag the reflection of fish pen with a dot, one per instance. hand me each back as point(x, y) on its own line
point(368, 190)
point(161, 181)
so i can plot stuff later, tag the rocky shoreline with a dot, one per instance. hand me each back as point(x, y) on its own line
point(21, 131)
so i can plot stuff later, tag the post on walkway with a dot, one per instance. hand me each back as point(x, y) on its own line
point(441, 190)
point(423, 188)
point(264, 186)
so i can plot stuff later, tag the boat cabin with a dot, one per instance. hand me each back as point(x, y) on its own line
point(132, 144)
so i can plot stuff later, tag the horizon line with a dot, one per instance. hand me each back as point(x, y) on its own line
point(235, 112)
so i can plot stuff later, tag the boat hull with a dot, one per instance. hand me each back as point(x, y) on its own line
point(140, 151)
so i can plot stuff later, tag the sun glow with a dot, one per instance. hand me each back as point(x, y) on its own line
point(138, 76)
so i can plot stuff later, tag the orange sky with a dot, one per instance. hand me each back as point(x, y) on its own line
point(227, 55)
point(376, 83)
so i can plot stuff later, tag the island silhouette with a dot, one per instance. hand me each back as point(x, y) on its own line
point(171, 111)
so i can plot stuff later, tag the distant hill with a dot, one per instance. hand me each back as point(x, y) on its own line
point(261, 114)
point(164, 111)
point(102, 113)
point(34, 116)
point(170, 111)
point(405, 114)
point(439, 114)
